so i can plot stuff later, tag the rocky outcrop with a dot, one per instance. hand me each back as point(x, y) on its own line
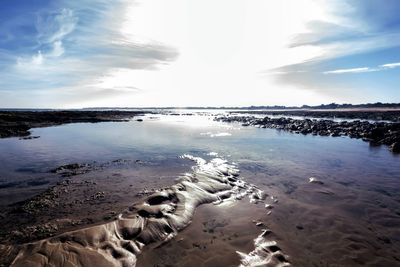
point(18, 123)
point(377, 133)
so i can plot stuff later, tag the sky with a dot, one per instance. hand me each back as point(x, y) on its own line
point(157, 53)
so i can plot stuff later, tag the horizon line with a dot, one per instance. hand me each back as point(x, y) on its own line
point(304, 106)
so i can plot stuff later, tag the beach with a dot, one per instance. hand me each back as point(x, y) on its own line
point(174, 189)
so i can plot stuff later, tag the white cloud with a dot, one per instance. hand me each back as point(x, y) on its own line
point(390, 65)
point(55, 26)
point(58, 49)
point(30, 62)
point(274, 72)
point(354, 70)
point(364, 69)
point(223, 46)
point(37, 59)
point(52, 28)
point(219, 59)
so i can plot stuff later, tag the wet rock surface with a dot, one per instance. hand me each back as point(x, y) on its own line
point(19, 123)
point(72, 169)
point(376, 133)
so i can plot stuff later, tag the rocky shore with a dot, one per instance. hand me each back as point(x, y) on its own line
point(372, 114)
point(18, 123)
point(377, 133)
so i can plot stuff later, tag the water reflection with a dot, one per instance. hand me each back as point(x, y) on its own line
point(171, 136)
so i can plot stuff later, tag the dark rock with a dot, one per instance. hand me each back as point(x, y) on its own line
point(395, 147)
point(62, 168)
point(376, 133)
point(72, 169)
point(29, 137)
point(18, 123)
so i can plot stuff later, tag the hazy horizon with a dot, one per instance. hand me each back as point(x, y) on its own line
point(231, 53)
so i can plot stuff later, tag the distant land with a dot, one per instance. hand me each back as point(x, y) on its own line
point(275, 107)
point(376, 105)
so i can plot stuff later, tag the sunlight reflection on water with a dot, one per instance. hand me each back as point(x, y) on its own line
point(168, 136)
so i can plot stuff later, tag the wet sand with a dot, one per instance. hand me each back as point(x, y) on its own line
point(314, 224)
point(153, 222)
point(93, 194)
point(337, 222)
point(320, 223)
point(216, 236)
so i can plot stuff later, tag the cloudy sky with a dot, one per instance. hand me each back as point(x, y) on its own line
point(97, 53)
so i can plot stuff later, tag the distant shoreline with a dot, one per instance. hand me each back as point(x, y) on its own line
point(373, 114)
point(332, 106)
point(18, 123)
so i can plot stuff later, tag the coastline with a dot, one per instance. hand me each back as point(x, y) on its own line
point(205, 237)
point(372, 114)
point(19, 123)
point(376, 133)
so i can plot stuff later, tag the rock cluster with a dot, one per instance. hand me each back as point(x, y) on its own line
point(43, 201)
point(377, 133)
point(14, 130)
point(72, 169)
point(19, 123)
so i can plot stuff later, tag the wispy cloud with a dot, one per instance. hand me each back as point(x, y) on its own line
point(354, 41)
point(69, 51)
point(352, 29)
point(390, 65)
point(73, 45)
point(324, 32)
point(354, 70)
point(53, 26)
point(364, 69)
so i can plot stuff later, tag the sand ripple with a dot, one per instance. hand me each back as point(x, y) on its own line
point(155, 220)
point(265, 253)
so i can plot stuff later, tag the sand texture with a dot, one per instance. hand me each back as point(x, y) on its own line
point(154, 221)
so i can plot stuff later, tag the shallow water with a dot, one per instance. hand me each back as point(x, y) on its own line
point(360, 191)
point(170, 136)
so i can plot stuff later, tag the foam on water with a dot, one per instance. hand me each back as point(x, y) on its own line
point(157, 219)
